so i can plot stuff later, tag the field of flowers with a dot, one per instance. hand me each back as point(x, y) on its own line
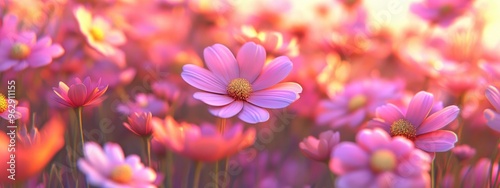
point(249, 93)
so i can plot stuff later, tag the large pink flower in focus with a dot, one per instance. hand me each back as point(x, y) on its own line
point(243, 85)
point(80, 93)
point(419, 124)
point(203, 143)
point(493, 116)
point(24, 50)
point(377, 160)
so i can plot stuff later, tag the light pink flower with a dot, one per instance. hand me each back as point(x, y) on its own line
point(110, 168)
point(80, 93)
point(319, 149)
point(140, 124)
point(243, 85)
point(377, 160)
point(493, 116)
point(357, 102)
point(22, 51)
point(419, 124)
point(202, 143)
point(98, 32)
point(441, 12)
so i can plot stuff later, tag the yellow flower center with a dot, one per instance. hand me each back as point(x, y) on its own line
point(403, 128)
point(239, 89)
point(356, 102)
point(3, 103)
point(97, 33)
point(383, 160)
point(121, 174)
point(19, 51)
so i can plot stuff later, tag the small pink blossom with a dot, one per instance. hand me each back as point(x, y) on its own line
point(419, 124)
point(244, 85)
point(80, 93)
point(319, 149)
point(441, 12)
point(24, 50)
point(377, 160)
point(140, 124)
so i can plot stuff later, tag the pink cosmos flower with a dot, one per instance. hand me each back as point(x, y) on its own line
point(321, 148)
point(493, 116)
point(144, 103)
point(5, 111)
point(242, 85)
point(140, 124)
point(80, 93)
point(357, 102)
point(441, 12)
point(98, 32)
point(377, 160)
point(23, 51)
point(202, 143)
point(110, 168)
point(419, 124)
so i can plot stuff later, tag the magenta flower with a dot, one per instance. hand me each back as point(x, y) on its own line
point(377, 160)
point(319, 149)
point(110, 168)
point(441, 12)
point(140, 124)
point(243, 85)
point(23, 51)
point(80, 93)
point(357, 103)
point(419, 124)
point(493, 116)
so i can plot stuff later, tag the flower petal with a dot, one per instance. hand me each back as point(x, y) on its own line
point(347, 157)
point(77, 94)
point(227, 111)
point(493, 119)
point(213, 99)
point(438, 120)
point(202, 79)
point(437, 141)
point(372, 139)
point(273, 73)
point(359, 178)
point(253, 114)
point(389, 113)
point(419, 108)
point(220, 60)
point(272, 98)
point(493, 95)
point(251, 58)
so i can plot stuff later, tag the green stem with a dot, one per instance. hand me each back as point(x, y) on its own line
point(492, 162)
point(433, 178)
point(197, 173)
point(170, 163)
point(221, 126)
point(147, 143)
point(80, 124)
point(332, 177)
